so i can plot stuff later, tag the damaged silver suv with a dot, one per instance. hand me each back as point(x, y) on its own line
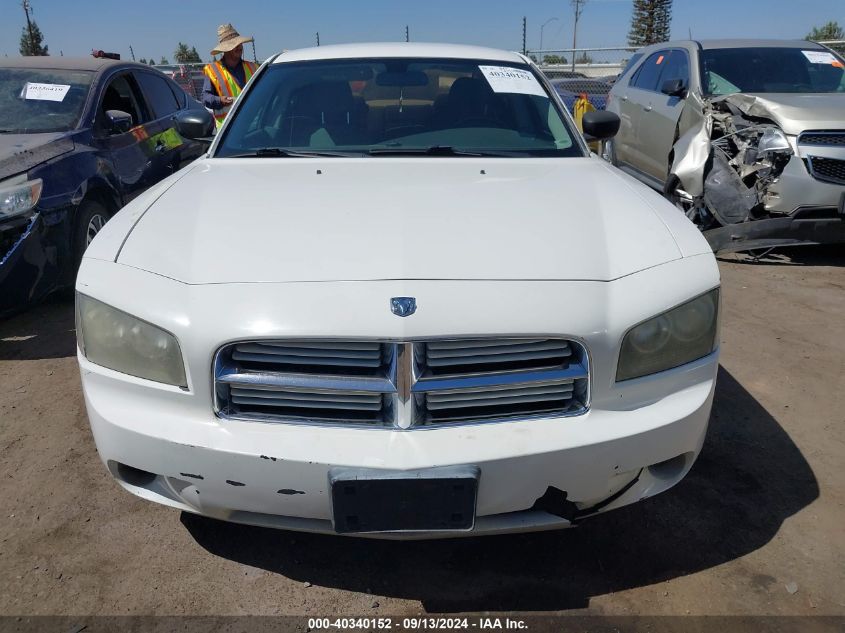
point(746, 136)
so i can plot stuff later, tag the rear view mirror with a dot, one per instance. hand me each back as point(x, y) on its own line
point(195, 124)
point(600, 125)
point(402, 79)
point(674, 88)
point(119, 121)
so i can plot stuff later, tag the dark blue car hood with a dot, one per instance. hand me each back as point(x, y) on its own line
point(22, 152)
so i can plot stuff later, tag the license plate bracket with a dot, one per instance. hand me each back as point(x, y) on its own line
point(428, 500)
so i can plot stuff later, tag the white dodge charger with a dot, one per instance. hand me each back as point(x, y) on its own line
point(398, 297)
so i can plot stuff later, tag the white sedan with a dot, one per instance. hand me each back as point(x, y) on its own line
point(399, 298)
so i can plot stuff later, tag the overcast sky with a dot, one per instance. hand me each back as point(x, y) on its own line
point(154, 27)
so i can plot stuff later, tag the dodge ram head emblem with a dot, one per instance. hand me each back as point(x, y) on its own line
point(403, 306)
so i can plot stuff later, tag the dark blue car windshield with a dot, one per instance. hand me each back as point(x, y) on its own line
point(41, 100)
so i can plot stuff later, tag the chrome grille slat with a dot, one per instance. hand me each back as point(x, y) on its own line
point(401, 385)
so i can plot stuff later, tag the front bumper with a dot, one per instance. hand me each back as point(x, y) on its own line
point(165, 444)
point(277, 475)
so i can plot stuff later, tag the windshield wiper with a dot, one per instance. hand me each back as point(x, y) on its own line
point(278, 152)
point(433, 150)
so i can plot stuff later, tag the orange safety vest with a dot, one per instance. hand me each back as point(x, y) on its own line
point(225, 85)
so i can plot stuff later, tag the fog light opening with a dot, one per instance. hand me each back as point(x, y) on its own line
point(670, 469)
point(133, 476)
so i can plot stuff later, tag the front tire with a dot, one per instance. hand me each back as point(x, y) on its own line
point(90, 220)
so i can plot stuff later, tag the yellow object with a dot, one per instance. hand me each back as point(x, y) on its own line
point(581, 106)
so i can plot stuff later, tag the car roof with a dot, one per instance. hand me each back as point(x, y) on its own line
point(64, 63)
point(398, 49)
point(711, 44)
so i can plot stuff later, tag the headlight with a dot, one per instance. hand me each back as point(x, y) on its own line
point(673, 338)
point(19, 197)
point(773, 140)
point(119, 341)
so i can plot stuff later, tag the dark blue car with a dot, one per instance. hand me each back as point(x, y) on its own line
point(79, 138)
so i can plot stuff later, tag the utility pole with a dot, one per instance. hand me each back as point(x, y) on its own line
point(318, 38)
point(131, 52)
point(407, 37)
point(254, 56)
point(524, 33)
point(578, 5)
point(541, 31)
point(26, 9)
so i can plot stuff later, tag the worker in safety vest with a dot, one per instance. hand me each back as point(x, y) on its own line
point(224, 79)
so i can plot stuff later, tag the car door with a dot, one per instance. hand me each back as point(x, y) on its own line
point(633, 105)
point(131, 156)
point(171, 151)
point(660, 122)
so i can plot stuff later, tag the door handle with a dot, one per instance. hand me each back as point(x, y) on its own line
point(648, 108)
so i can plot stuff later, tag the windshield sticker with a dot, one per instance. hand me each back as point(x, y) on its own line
point(821, 57)
point(45, 92)
point(507, 79)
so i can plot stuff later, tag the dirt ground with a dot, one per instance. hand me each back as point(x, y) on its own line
point(758, 527)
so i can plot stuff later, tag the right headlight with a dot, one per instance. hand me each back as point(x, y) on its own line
point(119, 341)
point(671, 339)
point(18, 195)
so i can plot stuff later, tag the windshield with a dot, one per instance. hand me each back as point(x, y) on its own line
point(762, 70)
point(398, 106)
point(41, 100)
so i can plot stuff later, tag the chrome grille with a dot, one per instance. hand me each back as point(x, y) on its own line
point(834, 138)
point(401, 385)
point(827, 169)
point(311, 357)
point(493, 355)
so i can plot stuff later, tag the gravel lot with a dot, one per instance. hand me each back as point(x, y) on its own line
point(756, 528)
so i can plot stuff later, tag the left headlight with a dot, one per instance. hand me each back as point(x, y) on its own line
point(19, 197)
point(119, 341)
point(671, 339)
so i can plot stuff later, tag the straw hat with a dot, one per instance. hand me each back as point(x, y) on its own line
point(228, 38)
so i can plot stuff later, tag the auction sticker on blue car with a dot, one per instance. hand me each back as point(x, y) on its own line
point(45, 92)
point(507, 79)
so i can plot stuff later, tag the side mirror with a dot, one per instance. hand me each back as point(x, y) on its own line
point(674, 88)
point(195, 124)
point(119, 121)
point(600, 125)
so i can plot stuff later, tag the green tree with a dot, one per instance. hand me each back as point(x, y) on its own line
point(185, 55)
point(163, 61)
point(651, 22)
point(32, 44)
point(583, 58)
point(554, 59)
point(143, 60)
point(827, 32)
point(152, 62)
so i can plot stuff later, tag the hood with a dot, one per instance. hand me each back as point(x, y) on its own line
point(795, 113)
point(288, 219)
point(22, 152)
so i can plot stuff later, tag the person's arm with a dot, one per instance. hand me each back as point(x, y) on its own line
point(210, 98)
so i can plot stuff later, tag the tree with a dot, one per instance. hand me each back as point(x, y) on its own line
point(830, 31)
point(184, 55)
point(32, 40)
point(163, 61)
point(152, 62)
point(554, 59)
point(651, 22)
point(583, 58)
point(142, 60)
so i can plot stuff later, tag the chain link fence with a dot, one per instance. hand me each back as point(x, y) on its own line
point(189, 76)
